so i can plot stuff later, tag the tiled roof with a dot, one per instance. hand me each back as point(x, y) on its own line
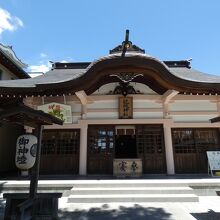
point(59, 75)
point(9, 52)
point(53, 76)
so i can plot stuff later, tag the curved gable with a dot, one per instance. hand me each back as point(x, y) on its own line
point(156, 74)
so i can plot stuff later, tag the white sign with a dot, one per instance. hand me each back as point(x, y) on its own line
point(214, 160)
point(26, 149)
point(58, 110)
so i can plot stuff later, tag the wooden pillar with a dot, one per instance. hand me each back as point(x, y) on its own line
point(169, 150)
point(83, 150)
point(84, 111)
point(36, 168)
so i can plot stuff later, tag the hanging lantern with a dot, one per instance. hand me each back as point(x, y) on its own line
point(26, 149)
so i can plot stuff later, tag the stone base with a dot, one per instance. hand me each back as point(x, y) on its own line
point(19, 206)
point(127, 167)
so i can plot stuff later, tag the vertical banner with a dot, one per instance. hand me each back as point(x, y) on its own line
point(125, 107)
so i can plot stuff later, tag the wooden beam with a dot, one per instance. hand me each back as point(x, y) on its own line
point(168, 95)
point(166, 98)
point(84, 99)
point(82, 96)
point(216, 119)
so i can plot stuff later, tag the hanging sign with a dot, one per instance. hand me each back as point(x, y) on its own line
point(58, 110)
point(26, 149)
point(125, 107)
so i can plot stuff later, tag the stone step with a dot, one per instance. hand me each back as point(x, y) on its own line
point(132, 198)
point(128, 184)
point(130, 190)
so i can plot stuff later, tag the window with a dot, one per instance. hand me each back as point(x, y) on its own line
point(195, 140)
point(183, 141)
point(101, 140)
point(150, 139)
point(60, 142)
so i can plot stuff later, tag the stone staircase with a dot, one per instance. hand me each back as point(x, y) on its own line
point(130, 191)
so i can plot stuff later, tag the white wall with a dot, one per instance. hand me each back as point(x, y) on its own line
point(193, 110)
point(193, 105)
point(148, 104)
point(181, 108)
point(6, 75)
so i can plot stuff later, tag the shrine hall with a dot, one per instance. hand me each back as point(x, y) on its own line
point(126, 113)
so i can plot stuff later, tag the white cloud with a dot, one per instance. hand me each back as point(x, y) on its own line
point(39, 68)
point(44, 65)
point(18, 21)
point(32, 75)
point(43, 55)
point(9, 22)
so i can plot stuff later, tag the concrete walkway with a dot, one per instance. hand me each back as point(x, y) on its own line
point(208, 207)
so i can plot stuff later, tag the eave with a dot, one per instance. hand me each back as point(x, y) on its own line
point(12, 67)
point(155, 73)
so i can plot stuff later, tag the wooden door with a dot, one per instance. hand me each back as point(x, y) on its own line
point(100, 149)
point(190, 146)
point(150, 148)
point(60, 152)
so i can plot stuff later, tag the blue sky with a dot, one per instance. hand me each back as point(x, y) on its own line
point(71, 30)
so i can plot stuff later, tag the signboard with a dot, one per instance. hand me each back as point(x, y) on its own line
point(127, 167)
point(125, 107)
point(58, 110)
point(213, 160)
point(26, 149)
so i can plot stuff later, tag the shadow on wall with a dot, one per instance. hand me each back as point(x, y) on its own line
point(2, 202)
point(210, 215)
point(137, 212)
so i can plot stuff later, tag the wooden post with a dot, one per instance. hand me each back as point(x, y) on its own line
point(83, 150)
point(169, 149)
point(36, 168)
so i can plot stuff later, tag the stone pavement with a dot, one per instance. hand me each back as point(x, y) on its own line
point(208, 207)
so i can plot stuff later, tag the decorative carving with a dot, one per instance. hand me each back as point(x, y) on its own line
point(125, 46)
point(124, 86)
point(124, 89)
point(131, 48)
point(126, 77)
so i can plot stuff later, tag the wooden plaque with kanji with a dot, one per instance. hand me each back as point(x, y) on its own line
point(125, 107)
